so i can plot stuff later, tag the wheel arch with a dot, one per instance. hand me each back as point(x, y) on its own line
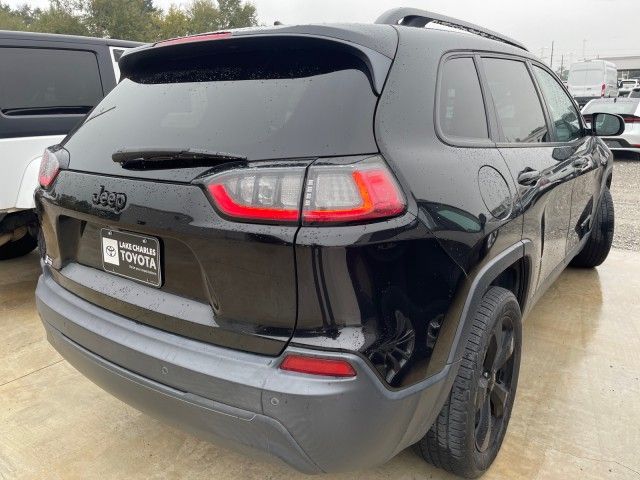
point(511, 267)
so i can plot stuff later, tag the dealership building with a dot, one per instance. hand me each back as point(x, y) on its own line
point(628, 67)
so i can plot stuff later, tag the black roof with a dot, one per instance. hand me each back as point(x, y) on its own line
point(54, 37)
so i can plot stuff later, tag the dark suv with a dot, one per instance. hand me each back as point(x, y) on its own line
point(318, 241)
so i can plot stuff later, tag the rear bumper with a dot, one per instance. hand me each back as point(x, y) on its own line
point(242, 400)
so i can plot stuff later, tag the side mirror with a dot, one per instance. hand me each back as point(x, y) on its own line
point(607, 125)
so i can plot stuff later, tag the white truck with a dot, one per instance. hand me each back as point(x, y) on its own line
point(592, 79)
point(48, 84)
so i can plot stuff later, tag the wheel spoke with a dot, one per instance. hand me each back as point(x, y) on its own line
point(481, 394)
point(483, 430)
point(505, 350)
point(499, 398)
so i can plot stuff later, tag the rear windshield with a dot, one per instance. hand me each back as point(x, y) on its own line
point(259, 104)
point(586, 76)
point(621, 106)
point(48, 81)
point(629, 83)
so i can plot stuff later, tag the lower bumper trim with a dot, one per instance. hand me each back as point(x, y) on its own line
point(246, 430)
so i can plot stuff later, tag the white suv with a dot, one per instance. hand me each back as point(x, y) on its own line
point(48, 84)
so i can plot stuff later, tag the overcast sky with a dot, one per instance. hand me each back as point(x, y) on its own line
point(608, 26)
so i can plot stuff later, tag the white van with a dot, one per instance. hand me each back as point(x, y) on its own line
point(48, 84)
point(593, 79)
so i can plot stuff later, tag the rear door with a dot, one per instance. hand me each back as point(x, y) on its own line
point(543, 177)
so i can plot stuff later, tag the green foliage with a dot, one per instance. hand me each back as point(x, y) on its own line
point(129, 19)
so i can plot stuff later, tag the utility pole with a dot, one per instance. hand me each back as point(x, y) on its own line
point(551, 62)
point(562, 67)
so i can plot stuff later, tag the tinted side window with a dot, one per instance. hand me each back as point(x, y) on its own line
point(41, 79)
point(563, 113)
point(517, 104)
point(461, 108)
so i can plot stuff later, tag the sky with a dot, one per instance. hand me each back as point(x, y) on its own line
point(596, 27)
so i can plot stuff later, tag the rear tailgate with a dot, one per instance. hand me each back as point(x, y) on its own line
point(284, 102)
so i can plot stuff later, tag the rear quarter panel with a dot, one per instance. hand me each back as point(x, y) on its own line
point(442, 176)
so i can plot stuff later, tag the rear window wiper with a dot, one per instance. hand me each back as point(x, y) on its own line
point(170, 158)
point(49, 110)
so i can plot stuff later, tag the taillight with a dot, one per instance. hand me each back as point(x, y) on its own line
point(53, 159)
point(604, 88)
point(328, 367)
point(351, 193)
point(631, 119)
point(259, 194)
point(333, 194)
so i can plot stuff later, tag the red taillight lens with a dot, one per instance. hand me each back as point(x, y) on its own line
point(259, 194)
point(49, 168)
point(353, 193)
point(631, 119)
point(327, 367)
point(604, 88)
point(333, 194)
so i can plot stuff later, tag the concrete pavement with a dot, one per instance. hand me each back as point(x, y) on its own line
point(577, 410)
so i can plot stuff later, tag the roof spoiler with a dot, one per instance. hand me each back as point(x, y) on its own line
point(140, 58)
point(413, 17)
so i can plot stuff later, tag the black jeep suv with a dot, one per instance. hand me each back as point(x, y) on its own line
point(318, 241)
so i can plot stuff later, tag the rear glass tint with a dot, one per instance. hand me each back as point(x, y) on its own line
point(517, 104)
point(461, 108)
point(266, 104)
point(37, 78)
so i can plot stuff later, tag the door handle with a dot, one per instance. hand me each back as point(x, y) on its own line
point(580, 163)
point(528, 176)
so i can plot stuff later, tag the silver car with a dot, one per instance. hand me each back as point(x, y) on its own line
point(629, 109)
point(627, 86)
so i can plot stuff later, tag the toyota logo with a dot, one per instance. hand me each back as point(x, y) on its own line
point(111, 251)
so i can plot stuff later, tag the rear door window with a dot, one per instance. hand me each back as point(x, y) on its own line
point(461, 112)
point(517, 104)
point(564, 115)
point(48, 81)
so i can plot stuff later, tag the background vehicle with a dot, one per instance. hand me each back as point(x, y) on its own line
point(47, 85)
point(592, 79)
point(629, 110)
point(256, 237)
point(635, 93)
point(626, 86)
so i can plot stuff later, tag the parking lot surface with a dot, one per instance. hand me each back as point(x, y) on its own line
point(626, 196)
point(575, 416)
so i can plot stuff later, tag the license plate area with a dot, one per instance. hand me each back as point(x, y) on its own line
point(132, 256)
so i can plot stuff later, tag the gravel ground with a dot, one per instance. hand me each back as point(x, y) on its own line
point(626, 197)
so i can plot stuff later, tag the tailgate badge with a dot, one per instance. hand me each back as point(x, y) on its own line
point(115, 201)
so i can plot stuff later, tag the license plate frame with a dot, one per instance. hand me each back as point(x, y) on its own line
point(130, 255)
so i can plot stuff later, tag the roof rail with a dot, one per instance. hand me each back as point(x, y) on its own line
point(413, 17)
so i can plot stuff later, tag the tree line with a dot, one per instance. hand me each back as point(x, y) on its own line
point(139, 20)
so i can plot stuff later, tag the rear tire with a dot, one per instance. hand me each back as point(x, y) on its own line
point(468, 433)
point(18, 248)
point(597, 248)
